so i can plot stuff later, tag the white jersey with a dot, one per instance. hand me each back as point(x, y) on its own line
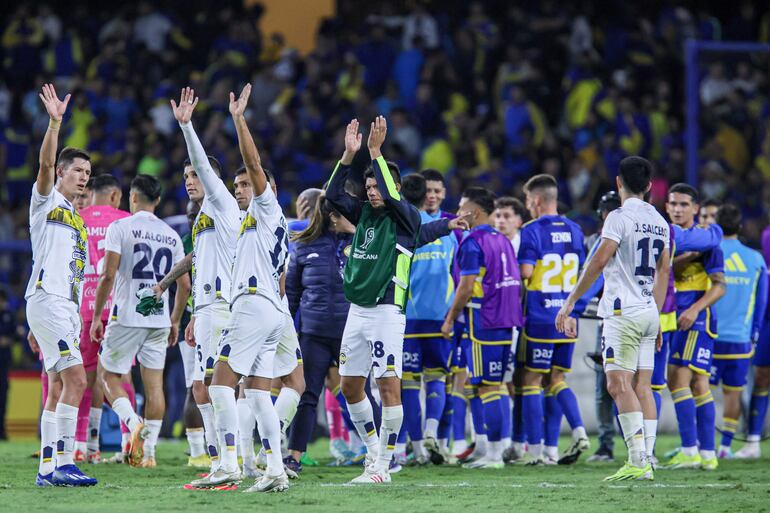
point(215, 231)
point(260, 256)
point(642, 234)
point(59, 246)
point(148, 248)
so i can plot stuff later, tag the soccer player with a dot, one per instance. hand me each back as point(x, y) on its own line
point(509, 215)
point(700, 282)
point(635, 252)
point(105, 199)
point(427, 354)
point(247, 347)
point(551, 255)
point(741, 314)
point(375, 281)
point(489, 292)
point(59, 252)
point(139, 250)
point(215, 233)
point(707, 214)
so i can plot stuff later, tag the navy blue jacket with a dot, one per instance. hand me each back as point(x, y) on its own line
point(314, 285)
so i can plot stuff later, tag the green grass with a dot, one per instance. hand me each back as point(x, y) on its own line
point(737, 486)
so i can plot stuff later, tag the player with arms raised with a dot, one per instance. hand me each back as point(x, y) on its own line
point(634, 256)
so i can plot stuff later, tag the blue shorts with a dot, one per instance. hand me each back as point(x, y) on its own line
point(731, 365)
point(425, 349)
point(661, 362)
point(693, 349)
point(486, 362)
point(536, 352)
point(762, 351)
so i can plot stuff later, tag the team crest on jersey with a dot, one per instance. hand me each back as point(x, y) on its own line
point(202, 224)
point(248, 223)
point(347, 250)
point(368, 239)
point(71, 219)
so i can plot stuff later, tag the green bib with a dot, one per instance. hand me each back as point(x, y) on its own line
point(372, 261)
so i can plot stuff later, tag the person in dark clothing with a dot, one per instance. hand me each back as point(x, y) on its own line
point(7, 334)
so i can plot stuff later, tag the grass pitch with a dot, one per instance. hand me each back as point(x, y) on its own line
point(735, 486)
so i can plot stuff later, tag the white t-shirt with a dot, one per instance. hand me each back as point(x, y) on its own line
point(260, 257)
point(148, 249)
point(642, 234)
point(59, 246)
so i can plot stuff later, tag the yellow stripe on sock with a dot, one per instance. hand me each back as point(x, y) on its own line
point(558, 387)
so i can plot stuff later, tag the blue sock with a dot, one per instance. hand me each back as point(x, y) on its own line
point(758, 411)
point(344, 410)
point(477, 415)
point(729, 427)
point(532, 411)
point(445, 424)
point(658, 397)
point(459, 409)
point(410, 397)
point(706, 414)
point(435, 398)
point(685, 416)
point(568, 402)
point(553, 416)
point(519, 434)
point(402, 435)
point(505, 405)
point(493, 415)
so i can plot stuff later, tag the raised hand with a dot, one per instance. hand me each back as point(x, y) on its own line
point(55, 107)
point(187, 102)
point(238, 106)
point(377, 134)
point(352, 137)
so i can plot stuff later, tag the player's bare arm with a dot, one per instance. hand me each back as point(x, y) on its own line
point(353, 140)
point(183, 288)
point(246, 144)
point(184, 266)
point(686, 319)
point(662, 273)
point(462, 296)
point(106, 281)
point(46, 176)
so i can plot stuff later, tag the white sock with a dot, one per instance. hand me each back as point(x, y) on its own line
point(552, 452)
point(246, 422)
point(708, 455)
point(495, 451)
point(66, 425)
point(125, 411)
point(400, 448)
point(481, 445)
point(94, 422)
point(459, 446)
point(507, 442)
point(286, 407)
point(443, 444)
point(269, 428)
point(650, 434)
point(535, 450)
point(355, 442)
point(518, 447)
point(151, 440)
point(392, 418)
point(431, 428)
point(419, 449)
point(753, 440)
point(209, 428)
point(633, 431)
point(81, 446)
point(124, 437)
point(195, 440)
point(362, 416)
point(690, 451)
point(579, 432)
point(47, 442)
point(226, 421)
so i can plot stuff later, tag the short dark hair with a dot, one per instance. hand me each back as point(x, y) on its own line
point(103, 183)
point(68, 155)
point(482, 197)
point(414, 189)
point(213, 162)
point(433, 175)
point(543, 184)
point(395, 172)
point(635, 173)
point(268, 175)
point(513, 203)
point(729, 217)
point(240, 171)
point(148, 186)
point(711, 202)
point(684, 188)
point(608, 202)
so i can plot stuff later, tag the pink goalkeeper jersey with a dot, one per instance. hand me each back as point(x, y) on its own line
point(96, 218)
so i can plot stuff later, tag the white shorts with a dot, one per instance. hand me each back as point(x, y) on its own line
point(511, 363)
point(287, 354)
point(249, 343)
point(628, 341)
point(55, 323)
point(122, 344)
point(373, 341)
point(209, 323)
point(188, 362)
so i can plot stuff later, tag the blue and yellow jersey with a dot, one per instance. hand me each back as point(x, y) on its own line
point(692, 281)
point(553, 245)
point(431, 287)
point(740, 311)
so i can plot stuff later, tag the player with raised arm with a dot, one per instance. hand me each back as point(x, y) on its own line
point(700, 282)
point(634, 258)
point(139, 250)
point(102, 211)
point(215, 234)
point(551, 253)
point(59, 252)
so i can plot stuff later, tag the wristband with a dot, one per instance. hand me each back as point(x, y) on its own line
point(54, 124)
